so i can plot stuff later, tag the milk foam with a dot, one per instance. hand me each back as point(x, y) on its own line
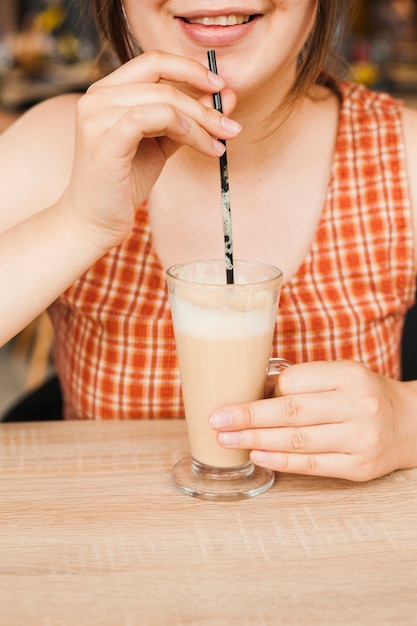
point(222, 323)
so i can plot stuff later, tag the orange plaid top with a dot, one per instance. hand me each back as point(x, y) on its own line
point(114, 347)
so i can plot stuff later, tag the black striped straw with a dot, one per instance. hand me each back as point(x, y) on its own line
point(224, 181)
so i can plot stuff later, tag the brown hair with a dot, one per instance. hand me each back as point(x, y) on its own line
point(318, 53)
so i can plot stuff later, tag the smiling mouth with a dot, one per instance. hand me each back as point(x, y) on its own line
point(220, 20)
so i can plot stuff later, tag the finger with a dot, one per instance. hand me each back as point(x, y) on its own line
point(118, 136)
point(162, 121)
point(155, 65)
point(332, 465)
point(320, 376)
point(115, 102)
point(313, 439)
point(127, 95)
point(301, 410)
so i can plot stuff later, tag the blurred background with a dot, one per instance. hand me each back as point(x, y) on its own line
point(48, 47)
point(382, 46)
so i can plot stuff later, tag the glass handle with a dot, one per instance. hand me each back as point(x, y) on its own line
point(275, 367)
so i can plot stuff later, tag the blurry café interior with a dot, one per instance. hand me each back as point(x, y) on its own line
point(48, 47)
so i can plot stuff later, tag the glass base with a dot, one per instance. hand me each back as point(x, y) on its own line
point(221, 483)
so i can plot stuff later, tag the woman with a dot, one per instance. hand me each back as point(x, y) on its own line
point(124, 180)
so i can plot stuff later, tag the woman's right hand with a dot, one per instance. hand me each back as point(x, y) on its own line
point(128, 124)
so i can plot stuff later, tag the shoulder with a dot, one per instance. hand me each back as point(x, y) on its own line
point(364, 102)
point(410, 128)
point(379, 119)
point(37, 149)
point(374, 120)
point(54, 114)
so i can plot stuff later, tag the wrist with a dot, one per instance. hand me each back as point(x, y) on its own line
point(90, 236)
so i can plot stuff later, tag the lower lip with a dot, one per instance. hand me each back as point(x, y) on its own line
point(217, 35)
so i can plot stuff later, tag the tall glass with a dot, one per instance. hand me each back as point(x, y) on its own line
point(223, 336)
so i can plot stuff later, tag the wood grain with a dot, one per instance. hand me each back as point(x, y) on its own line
point(93, 532)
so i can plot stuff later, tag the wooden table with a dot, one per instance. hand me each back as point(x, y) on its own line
point(93, 532)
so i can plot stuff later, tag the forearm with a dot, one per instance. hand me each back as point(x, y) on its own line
point(39, 258)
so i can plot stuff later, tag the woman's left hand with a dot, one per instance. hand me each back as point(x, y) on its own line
point(335, 419)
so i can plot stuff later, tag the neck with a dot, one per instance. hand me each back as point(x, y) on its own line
point(266, 137)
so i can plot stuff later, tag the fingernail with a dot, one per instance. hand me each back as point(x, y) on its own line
point(220, 419)
point(229, 439)
point(230, 125)
point(260, 457)
point(215, 79)
point(219, 147)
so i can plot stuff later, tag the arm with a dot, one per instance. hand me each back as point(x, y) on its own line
point(72, 171)
point(335, 419)
point(39, 258)
point(38, 255)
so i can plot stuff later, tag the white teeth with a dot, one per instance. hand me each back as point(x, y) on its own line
point(221, 20)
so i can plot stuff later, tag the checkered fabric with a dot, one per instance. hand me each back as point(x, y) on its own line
point(349, 297)
point(114, 346)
